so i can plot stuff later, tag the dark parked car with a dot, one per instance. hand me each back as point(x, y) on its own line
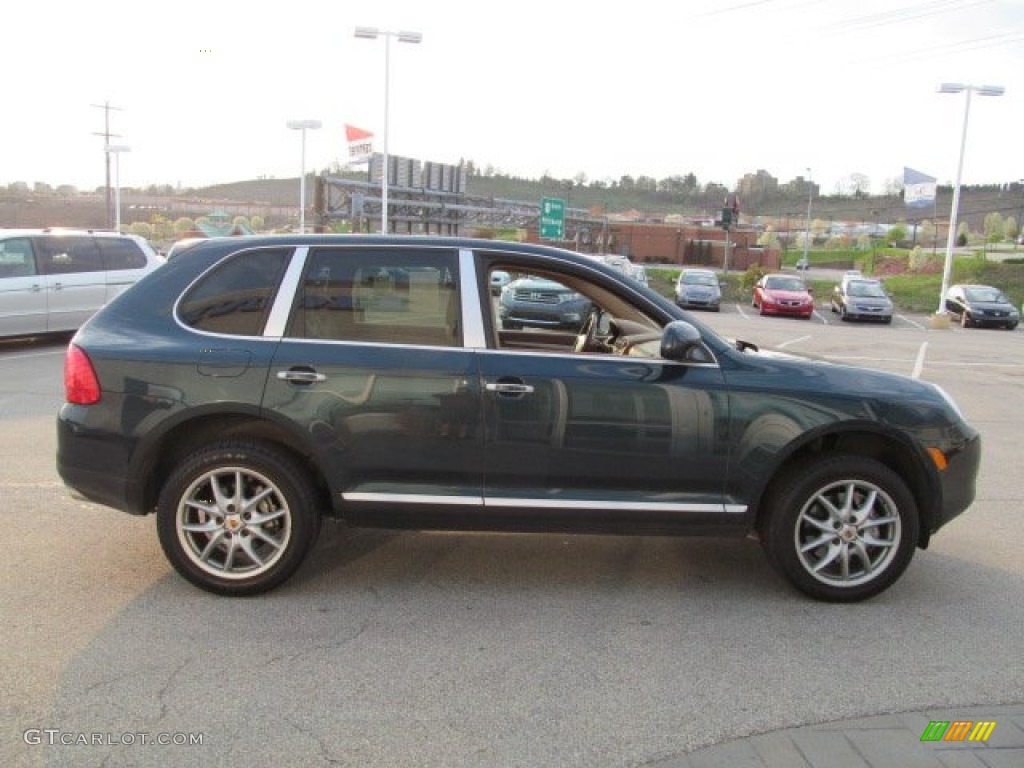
point(252, 385)
point(698, 289)
point(982, 306)
point(539, 302)
point(783, 295)
point(861, 298)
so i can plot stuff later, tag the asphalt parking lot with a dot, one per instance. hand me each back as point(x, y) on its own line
point(413, 649)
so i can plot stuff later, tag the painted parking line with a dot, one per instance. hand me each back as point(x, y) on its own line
point(919, 363)
point(914, 323)
point(797, 340)
point(26, 355)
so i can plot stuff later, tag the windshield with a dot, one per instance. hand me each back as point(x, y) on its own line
point(983, 293)
point(784, 284)
point(865, 289)
point(698, 278)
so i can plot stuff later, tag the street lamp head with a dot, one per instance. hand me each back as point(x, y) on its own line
point(299, 125)
point(984, 90)
point(404, 36)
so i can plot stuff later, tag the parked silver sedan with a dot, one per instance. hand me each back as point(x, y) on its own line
point(861, 298)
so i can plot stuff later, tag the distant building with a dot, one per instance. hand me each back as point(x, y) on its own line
point(800, 187)
point(756, 186)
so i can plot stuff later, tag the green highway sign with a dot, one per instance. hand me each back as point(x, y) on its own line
point(552, 218)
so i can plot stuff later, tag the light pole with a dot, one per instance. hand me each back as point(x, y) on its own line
point(303, 126)
point(372, 33)
point(984, 90)
point(807, 230)
point(116, 150)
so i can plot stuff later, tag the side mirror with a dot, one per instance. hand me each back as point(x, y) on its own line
point(682, 342)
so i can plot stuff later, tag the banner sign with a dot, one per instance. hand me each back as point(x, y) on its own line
point(918, 188)
point(360, 144)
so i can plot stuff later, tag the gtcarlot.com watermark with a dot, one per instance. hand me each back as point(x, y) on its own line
point(54, 737)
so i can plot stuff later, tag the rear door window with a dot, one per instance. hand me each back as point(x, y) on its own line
point(60, 255)
point(394, 295)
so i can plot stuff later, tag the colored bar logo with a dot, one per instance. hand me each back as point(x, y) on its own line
point(958, 730)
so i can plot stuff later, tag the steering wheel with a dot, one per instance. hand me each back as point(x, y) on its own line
point(585, 338)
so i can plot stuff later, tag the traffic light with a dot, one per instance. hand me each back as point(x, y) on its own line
point(726, 217)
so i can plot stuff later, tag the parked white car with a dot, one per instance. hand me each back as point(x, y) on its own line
point(53, 280)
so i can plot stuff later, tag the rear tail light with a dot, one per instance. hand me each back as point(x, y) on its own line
point(81, 386)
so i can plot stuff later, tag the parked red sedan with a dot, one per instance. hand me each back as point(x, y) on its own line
point(783, 295)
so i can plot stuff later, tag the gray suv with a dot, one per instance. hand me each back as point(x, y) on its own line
point(538, 302)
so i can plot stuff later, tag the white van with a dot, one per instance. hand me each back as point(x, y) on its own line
point(53, 280)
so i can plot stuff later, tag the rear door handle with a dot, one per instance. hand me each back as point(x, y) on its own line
point(509, 388)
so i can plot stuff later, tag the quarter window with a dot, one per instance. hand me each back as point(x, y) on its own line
point(122, 253)
point(380, 295)
point(235, 296)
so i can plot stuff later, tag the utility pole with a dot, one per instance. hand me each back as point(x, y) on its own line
point(107, 136)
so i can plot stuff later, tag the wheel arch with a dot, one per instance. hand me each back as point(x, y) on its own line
point(193, 433)
point(894, 451)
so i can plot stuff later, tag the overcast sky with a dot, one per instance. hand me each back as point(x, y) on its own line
point(657, 88)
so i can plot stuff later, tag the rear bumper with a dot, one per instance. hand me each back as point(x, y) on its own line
point(94, 466)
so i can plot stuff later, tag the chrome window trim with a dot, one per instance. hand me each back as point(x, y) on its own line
point(277, 320)
point(473, 335)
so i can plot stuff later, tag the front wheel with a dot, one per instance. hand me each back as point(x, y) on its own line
point(842, 529)
point(237, 518)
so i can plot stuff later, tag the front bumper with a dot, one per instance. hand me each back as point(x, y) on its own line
point(958, 481)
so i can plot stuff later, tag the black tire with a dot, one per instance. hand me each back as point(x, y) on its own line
point(859, 514)
point(219, 541)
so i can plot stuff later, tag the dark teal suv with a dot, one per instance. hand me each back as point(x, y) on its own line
point(253, 385)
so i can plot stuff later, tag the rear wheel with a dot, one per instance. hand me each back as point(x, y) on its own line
point(237, 518)
point(842, 529)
